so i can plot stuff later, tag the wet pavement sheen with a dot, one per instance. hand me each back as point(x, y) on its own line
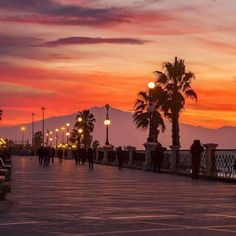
point(65, 199)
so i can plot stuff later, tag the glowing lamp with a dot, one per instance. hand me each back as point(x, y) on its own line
point(151, 85)
point(107, 122)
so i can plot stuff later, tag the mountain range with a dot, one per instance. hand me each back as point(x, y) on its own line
point(122, 131)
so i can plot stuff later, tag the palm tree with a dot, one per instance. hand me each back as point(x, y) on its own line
point(176, 83)
point(38, 139)
point(141, 115)
point(86, 125)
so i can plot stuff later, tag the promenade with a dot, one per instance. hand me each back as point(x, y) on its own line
point(64, 199)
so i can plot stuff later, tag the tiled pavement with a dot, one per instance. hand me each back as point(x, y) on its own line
point(65, 199)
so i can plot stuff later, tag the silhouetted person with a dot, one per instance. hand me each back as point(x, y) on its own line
point(83, 155)
point(80, 153)
point(157, 158)
point(46, 156)
point(196, 151)
point(52, 154)
point(90, 156)
point(120, 158)
point(40, 153)
point(75, 155)
point(60, 154)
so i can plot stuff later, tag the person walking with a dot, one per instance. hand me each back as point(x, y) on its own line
point(40, 154)
point(157, 158)
point(120, 158)
point(90, 156)
point(196, 152)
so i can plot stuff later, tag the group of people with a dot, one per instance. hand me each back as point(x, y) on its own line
point(81, 154)
point(46, 155)
point(196, 150)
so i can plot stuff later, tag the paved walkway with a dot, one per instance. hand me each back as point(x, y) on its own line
point(64, 199)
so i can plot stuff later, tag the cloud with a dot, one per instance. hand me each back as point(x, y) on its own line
point(19, 89)
point(89, 40)
point(223, 47)
point(51, 12)
point(14, 41)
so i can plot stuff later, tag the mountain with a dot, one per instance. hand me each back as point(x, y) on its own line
point(122, 131)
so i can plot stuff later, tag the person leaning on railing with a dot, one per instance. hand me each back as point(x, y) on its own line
point(196, 152)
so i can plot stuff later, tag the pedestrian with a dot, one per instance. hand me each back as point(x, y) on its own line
point(60, 154)
point(157, 158)
point(90, 156)
point(120, 158)
point(76, 155)
point(196, 152)
point(83, 155)
point(40, 154)
point(52, 154)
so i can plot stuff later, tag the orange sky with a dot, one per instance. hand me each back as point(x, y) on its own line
point(70, 55)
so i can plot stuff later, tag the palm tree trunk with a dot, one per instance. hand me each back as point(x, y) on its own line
point(175, 129)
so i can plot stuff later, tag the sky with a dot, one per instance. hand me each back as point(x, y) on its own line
point(68, 55)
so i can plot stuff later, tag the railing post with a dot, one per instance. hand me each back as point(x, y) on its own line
point(96, 155)
point(105, 156)
point(174, 156)
point(130, 163)
point(210, 148)
point(149, 147)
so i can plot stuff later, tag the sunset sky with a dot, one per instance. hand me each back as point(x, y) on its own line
point(68, 55)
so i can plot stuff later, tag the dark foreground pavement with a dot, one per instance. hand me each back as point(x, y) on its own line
point(64, 199)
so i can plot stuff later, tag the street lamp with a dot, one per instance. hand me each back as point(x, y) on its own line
point(32, 129)
point(43, 109)
point(47, 137)
point(56, 136)
point(107, 122)
point(23, 135)
point(67, 133)
point(150, 110)
point(50, 141)
point(80, 131)
point(80, 119)
point(63, 134)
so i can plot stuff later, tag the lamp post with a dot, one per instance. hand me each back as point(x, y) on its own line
point(32, 129)
point(43, 109)
point(67, 133)
point(23, 136)
point(56, 136)
point(47, 137)
point(80, 131)
point(150, 110)
point(63, 135)
point(107, 122)
point(50, 141)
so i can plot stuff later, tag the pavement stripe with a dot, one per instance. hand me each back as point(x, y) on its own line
point(129, 231)
point(20, 223)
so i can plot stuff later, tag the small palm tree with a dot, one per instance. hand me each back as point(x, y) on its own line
point(85, 121)
point(176, 83)
point(141, 115)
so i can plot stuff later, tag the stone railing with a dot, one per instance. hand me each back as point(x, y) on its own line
point(215, 164)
